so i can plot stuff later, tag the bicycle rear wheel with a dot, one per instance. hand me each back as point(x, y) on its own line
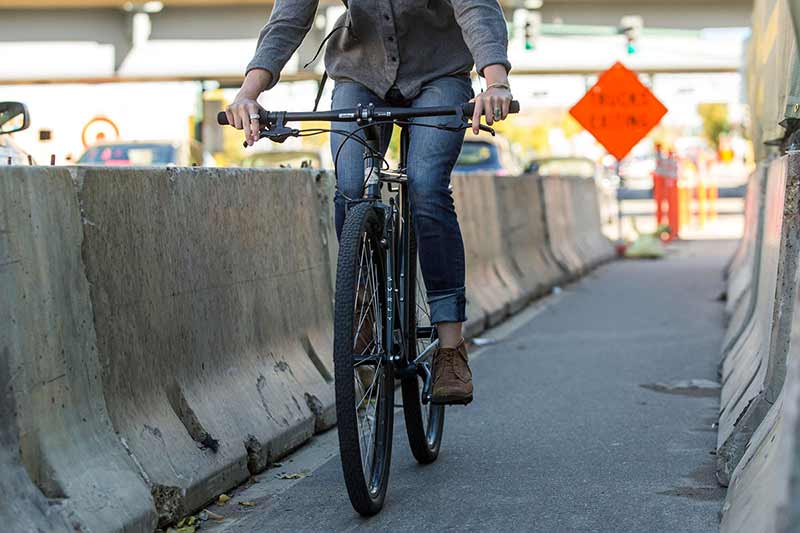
point(364, 377)
point(424, 422)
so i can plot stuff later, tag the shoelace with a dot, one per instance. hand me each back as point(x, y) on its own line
point(446, 358)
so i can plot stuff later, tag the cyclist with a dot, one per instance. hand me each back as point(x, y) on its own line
point(415, 53)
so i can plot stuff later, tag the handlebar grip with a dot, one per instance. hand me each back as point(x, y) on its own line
point(469, 108)
point(222, 118)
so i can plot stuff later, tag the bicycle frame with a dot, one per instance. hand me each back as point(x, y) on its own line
point(397, 243)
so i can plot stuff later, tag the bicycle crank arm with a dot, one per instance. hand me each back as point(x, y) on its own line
point(427, 375)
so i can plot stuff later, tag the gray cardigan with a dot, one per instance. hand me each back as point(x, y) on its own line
point(391, 42)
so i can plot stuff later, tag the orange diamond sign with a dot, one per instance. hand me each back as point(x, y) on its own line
point(619, 110)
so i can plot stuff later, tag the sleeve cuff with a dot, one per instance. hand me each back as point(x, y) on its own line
point(498, 57)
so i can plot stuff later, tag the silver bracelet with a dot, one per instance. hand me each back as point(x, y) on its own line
point(498, 85)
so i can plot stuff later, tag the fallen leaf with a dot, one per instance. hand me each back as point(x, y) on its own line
point(206, 515)
point(223, 499)
point(247, 504)
point(188, 521)
point(296, 475)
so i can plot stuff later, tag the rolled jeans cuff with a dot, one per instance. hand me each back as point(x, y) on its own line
point(448, 305)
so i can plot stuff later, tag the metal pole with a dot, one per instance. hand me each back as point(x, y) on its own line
point(619, 204)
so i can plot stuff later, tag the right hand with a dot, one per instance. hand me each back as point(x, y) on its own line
point(239, 113)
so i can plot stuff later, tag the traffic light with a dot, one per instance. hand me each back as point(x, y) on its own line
point(532, 30)
point(631, 27)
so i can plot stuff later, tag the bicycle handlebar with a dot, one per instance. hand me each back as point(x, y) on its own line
point(379, 113)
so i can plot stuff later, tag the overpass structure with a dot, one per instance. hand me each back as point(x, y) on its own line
point(64, 41)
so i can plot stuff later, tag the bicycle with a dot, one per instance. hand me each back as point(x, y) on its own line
point(382, 323)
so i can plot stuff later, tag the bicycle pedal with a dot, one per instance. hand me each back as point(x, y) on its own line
point(457, 401)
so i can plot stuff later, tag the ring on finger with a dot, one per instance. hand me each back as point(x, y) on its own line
point(498, 113)
point(255, 116)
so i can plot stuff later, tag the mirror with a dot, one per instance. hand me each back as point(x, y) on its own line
point(13, 117)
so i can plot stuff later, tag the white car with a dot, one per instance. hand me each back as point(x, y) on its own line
point(13, 117)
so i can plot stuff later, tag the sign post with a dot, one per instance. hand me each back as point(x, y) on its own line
point(619, 111)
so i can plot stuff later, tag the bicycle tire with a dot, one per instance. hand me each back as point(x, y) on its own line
point(366, 480)
point(424, 423)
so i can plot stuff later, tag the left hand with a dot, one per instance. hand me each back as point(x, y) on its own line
point(494, 103)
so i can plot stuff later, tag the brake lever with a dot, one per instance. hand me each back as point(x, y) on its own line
point(277, 135)
point(278, 131)
point(482, 127)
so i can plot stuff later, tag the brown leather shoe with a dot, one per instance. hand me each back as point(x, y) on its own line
point(452, 378)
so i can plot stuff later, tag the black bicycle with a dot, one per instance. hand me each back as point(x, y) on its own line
point(382, 328)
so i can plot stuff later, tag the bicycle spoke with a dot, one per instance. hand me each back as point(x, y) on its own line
point(368, 378)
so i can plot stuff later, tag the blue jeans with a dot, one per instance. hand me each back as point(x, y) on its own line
point(432, 154)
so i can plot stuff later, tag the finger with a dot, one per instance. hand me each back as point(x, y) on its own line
point(491, 103)
point(476, 116)
point(229, 115)
point(506, 105)
point(255, 126)
point(237, 117)
point(245, 119)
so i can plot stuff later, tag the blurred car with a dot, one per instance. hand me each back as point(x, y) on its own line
point(637, 177)
point(147, 153)
point(488, 154)
point(283, 159)
point(582, 167)
point(14, 117)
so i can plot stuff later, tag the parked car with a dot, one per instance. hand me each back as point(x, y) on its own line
point(147, 153)
point(14, 117)
point(582, 167)
point(579, 167)
point(283, 159)
point(488, 154)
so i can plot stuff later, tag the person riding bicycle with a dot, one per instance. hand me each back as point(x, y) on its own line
point(410, 53)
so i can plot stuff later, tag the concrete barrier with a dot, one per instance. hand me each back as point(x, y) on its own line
point(66, 441)
point(764, 490)
point(491, 285)
point(744, 265)
point(212, 302)
point(525, 235)
point(168, 331)
point(560, 224)
point(22, 507)
point(754, 368)
point(593, 245)
point(573, 220)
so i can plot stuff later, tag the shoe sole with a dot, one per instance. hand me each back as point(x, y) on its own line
point(452, 400)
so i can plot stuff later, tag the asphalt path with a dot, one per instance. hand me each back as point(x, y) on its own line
point(594, 411)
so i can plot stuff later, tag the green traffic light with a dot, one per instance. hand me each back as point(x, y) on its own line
point(631, 48)
point(529, 45)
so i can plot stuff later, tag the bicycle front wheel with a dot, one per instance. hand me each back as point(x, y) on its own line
point(424, 421)
point(364, 377)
